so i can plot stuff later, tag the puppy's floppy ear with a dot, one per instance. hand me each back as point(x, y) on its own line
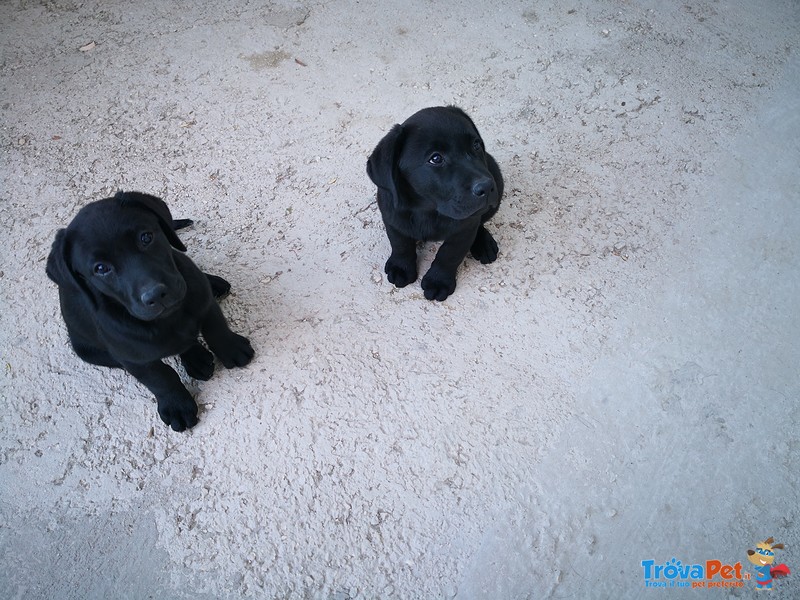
point(156, 206)
point(382, 163)
point(59, 270)
point(57, 267)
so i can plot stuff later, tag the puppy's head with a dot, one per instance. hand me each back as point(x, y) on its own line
point(436, 160)
point(120, 248)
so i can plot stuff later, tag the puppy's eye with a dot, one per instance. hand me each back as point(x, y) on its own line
point(146, 237)
point(477, 145)
point(102, 269)
point(436, 159)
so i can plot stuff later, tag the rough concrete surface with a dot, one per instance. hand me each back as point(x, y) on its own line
point(621, 385)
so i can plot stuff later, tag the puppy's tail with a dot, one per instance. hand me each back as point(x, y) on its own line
point(181, 223)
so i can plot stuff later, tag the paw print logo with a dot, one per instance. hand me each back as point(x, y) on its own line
point(672, 568)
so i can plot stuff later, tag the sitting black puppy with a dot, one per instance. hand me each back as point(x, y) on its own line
point(129, 299)
point(435, 182)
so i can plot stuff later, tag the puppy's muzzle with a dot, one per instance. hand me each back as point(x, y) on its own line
point(154, 295)
point(483, 188)
point(157, 299)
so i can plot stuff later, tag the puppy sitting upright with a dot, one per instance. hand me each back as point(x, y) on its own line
point(435, 182)
point(129, 299)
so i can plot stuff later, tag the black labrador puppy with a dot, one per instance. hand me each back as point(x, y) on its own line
point(129, 299)
point(435, 182)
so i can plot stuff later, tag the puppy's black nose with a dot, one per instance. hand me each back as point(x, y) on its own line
point(482, 187)
point(154, 294)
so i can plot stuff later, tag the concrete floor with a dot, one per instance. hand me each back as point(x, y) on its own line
point(620, 386)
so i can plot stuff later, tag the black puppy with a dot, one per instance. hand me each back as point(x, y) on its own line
point(435, 182)
point(129, 299)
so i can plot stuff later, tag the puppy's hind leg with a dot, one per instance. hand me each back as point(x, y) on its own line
point(219, 287)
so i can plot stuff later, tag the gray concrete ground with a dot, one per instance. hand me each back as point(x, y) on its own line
point(620, 386)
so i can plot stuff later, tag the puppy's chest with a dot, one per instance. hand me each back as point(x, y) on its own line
point(177, 337)
point(154, 341)
point(424, 226)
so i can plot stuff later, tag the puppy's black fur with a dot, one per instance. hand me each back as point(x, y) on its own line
point(129, 299)
point(435, 182)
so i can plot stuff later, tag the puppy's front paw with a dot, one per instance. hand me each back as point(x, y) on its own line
point(198, 362)
point(438, 285)
point(484, 248)
point(236, 352)
point(178, 410)
point(401, 272)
